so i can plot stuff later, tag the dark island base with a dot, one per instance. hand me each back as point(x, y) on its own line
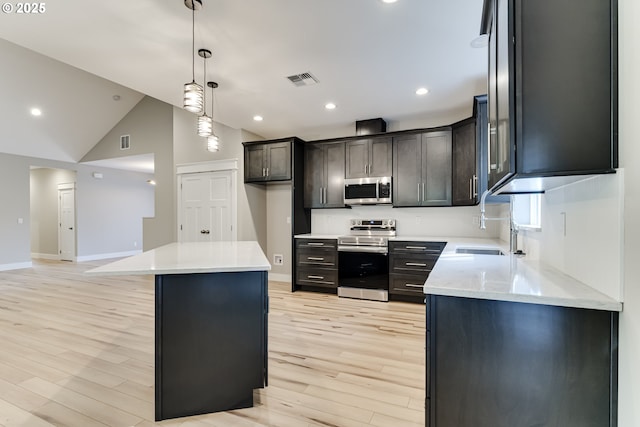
point(506, 364)
point(211, 342)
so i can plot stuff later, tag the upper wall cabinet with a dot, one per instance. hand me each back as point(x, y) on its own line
point(368, 157)
point(422, 169)
point(464, 191)
point(552, 91)
point(267, 161)
point(324, 175)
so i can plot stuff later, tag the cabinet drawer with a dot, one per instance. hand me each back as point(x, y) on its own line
point(407, 284)
point(434, 248)
point(411, 263)
point(317, 277)
point(316, 257)
point(329, 244)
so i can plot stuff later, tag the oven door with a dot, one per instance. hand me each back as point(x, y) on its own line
point(363, 269)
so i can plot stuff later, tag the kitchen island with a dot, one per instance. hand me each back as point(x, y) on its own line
point(211, 303)
point(512, 342)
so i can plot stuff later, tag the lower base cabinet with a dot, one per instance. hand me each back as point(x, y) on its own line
point(506, 364)
point(316, 264)
point(410, 263)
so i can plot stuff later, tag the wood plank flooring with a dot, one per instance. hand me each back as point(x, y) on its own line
point(79, 351)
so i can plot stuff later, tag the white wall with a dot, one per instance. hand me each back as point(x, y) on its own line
point(15, 249)
point(629, 93)
point(110, 212)
point(93, 203)
point(150, 127)
point(278, 230)
point(582, 232)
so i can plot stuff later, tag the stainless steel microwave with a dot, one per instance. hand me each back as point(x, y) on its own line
point(367, 191)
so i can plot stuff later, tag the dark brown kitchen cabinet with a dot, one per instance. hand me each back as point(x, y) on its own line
point(464, 184)
point(368, 157)
point(324, 175)
point(269, 161)
point(410, 264)
point(552, 92)
point(316, 263)
point(511, 364)
point(422, 169)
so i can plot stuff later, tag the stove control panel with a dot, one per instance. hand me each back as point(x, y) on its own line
point(374, 223)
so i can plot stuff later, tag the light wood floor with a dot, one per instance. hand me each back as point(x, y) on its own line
point(78, 351)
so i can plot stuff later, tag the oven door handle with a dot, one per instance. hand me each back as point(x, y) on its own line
point(368, 249)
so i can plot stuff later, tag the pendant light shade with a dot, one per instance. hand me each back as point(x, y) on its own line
point(213, 142)
point(193, 99)
point(205, 125)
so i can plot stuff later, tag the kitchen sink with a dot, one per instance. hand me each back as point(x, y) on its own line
point(479, 251)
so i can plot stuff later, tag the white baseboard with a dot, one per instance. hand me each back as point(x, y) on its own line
point(107, 256)
point(15, 266)
point(280, 277)
point(54, 257)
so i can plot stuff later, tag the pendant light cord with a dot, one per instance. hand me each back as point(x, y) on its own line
point(193, 41)
point(204, 86)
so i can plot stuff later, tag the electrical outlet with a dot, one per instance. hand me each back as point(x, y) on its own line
point(278, 259)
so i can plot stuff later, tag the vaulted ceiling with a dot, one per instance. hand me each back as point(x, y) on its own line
point(368, 56)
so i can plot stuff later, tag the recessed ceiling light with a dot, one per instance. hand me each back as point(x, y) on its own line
point(330, 106)
point(36, 112)
point(389, 1)
point(422, 91)
point(257, 118)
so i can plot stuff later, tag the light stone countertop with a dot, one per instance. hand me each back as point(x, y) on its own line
point(509, 278)
point(187, 258)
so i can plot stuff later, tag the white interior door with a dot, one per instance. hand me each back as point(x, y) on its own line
point(67, 224)
point(205, 201)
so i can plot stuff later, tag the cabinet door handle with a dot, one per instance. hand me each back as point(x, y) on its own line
point(315, 244)
point(320, 195)
point(267, 171)
point(421, 248)
point(419, 199)
point(475, 186)
point(412, 285)
point(315, 277)
point(471, 188)
point(324, 191)
point(315, 258)
point(415, 264)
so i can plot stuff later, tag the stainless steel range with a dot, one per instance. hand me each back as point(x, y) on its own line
point(363, 265)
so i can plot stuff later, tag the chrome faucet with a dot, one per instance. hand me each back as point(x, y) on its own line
point(513, 238)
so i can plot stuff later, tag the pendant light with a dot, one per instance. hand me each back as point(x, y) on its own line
point(193, 92)
point(213, 142)
point(205, 123)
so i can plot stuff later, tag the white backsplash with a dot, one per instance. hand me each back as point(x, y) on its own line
point(459, 221)
point(582, 232)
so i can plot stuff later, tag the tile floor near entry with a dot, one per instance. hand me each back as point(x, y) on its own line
point(79, 351)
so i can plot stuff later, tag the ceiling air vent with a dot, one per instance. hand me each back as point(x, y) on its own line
point(125, 142)
point(303, 79)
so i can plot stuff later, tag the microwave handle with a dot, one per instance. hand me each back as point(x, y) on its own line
point(378, 190)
